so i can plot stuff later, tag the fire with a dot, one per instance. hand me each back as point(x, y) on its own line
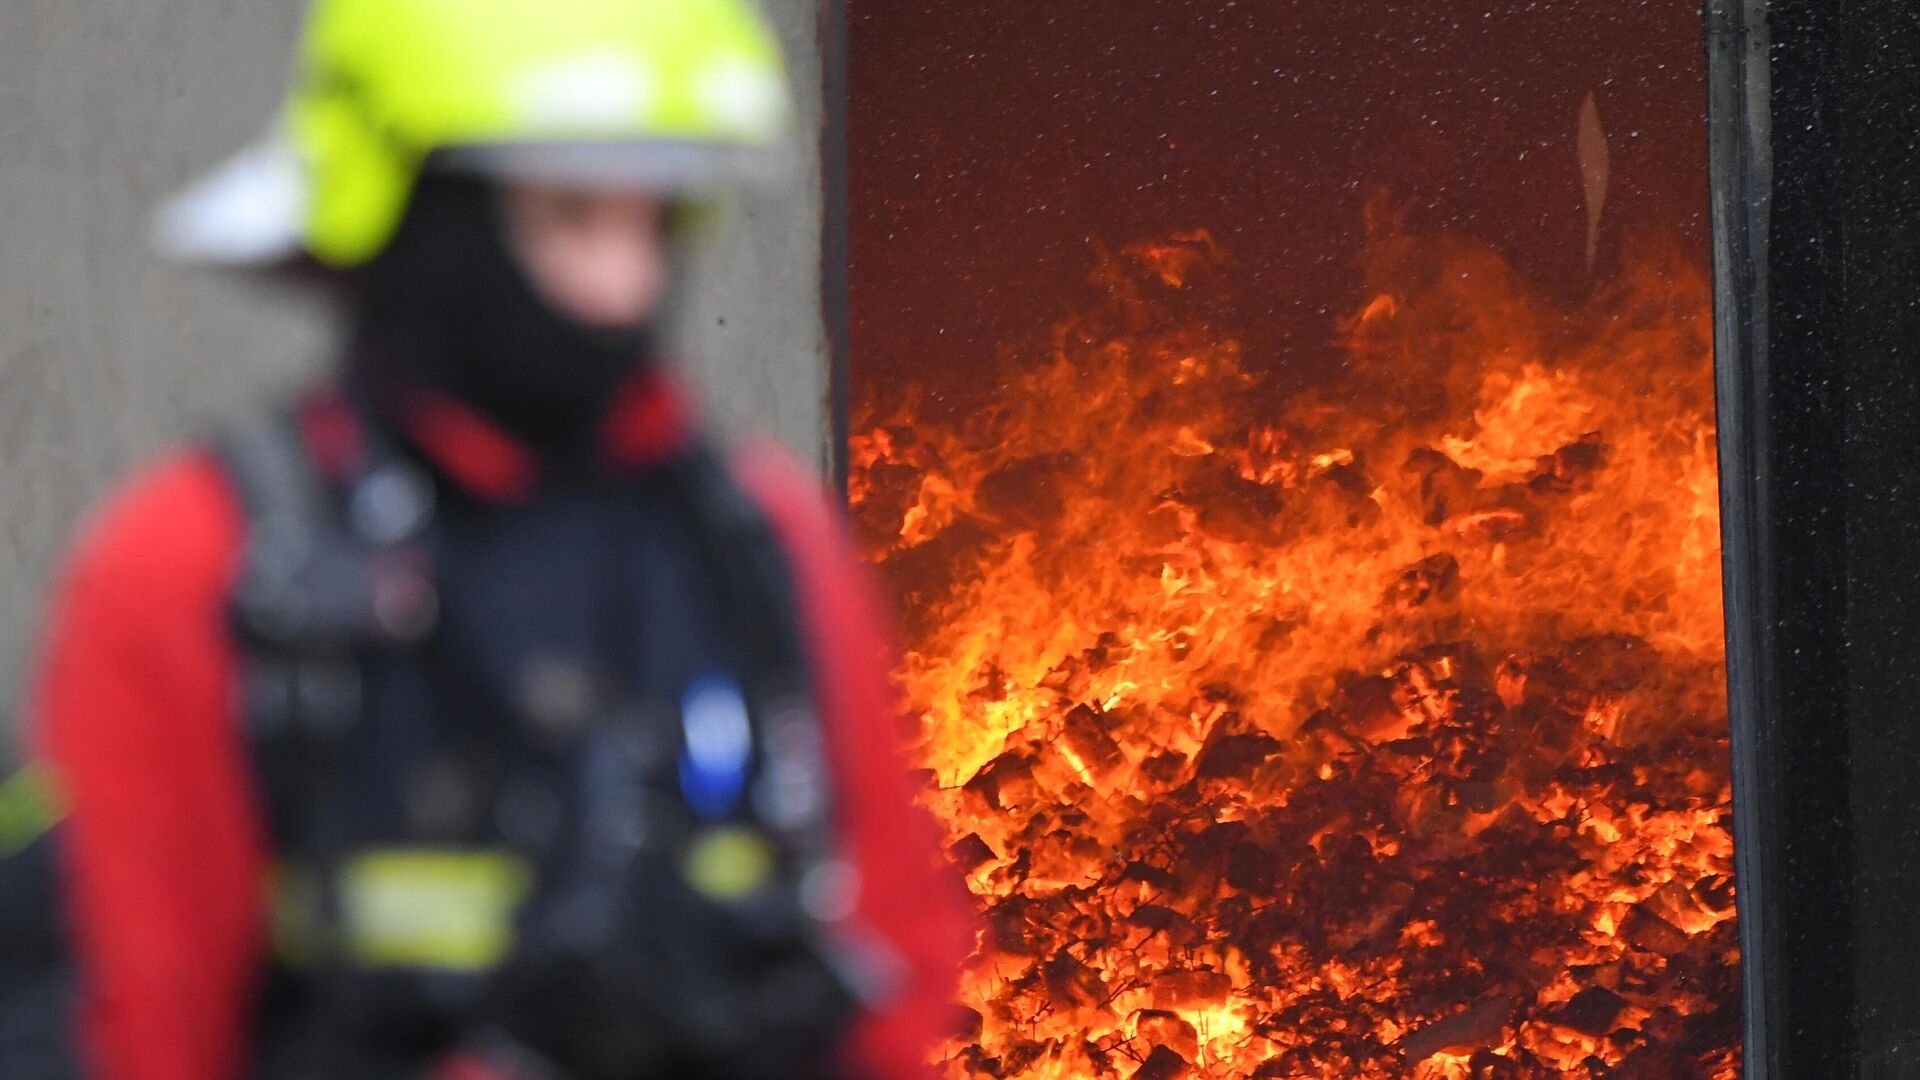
point(1375, 730)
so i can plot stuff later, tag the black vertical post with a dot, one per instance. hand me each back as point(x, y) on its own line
point(1740, 145)
point(1815, 144)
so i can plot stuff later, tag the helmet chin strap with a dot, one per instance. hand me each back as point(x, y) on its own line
point(448, 304)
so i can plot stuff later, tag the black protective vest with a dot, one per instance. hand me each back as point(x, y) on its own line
point(546, 776)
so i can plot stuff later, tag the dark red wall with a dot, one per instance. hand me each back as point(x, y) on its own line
point(990, 139)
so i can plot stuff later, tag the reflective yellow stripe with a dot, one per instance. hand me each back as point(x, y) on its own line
point(30, 804)
point(409, 907)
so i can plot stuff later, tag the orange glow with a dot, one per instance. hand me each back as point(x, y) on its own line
point(1375, 731)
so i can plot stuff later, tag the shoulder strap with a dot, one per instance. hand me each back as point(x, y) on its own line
point(330, 570)
point(273, 473)
point(752, 573)
point(746, 558)
point(286, 507)
point(794, 790)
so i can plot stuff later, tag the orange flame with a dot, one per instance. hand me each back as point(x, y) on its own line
point(1376, 731)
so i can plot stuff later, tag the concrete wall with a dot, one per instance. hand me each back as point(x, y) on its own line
point(107, 355)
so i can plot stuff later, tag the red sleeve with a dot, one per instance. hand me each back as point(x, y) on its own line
point(163, 848)
point(908, 897)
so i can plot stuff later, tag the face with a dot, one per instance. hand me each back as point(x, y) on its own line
point(599, 258)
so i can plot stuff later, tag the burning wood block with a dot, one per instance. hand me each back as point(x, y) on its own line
point(975, 1060)
point(1159, 1029)
point(1571, 467)
point(1645, 929)
point(1211, 844)
point(1433, 579)
point(1011, 927)
point(1474, 1028)
point(1592, 1012)
point(1368, 707)
point(969, 853)
point(1715, 894)
point(1348, 487)
point(1147, 874)
point(1163, 770)
point(1158, 919)
point(1021, 1054)
point(1065, 856)
point(1072, 984)
point(967, 1024)
point(1234, 755)
point(1487, 1065)
point(1195, 988)
point(1163, 1064)
point(1070, 678)
point(1094, 753)
point(1253, 869)
point(1554, 737)
point(1004, 782)
point(1446, 487)
point(1677, 904)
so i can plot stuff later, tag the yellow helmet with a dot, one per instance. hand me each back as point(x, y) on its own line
point(670, 96)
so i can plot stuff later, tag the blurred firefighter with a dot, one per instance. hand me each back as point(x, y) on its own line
point(474, 716)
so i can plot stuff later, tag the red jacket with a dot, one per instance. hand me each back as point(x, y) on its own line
point(166, 851)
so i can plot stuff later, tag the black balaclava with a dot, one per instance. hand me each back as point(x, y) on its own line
point(448, 304)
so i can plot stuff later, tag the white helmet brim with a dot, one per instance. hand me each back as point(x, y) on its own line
point(248, 212)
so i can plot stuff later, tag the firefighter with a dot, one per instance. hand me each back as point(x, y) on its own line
point(474, 715)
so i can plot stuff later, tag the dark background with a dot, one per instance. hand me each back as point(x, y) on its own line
point(992, 139)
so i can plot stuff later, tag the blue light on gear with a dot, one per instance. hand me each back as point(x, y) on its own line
point(718, 747)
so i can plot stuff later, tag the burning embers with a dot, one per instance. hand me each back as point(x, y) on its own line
point(1375, 731)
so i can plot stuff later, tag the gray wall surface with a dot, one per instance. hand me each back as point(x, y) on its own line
point(107, 355)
